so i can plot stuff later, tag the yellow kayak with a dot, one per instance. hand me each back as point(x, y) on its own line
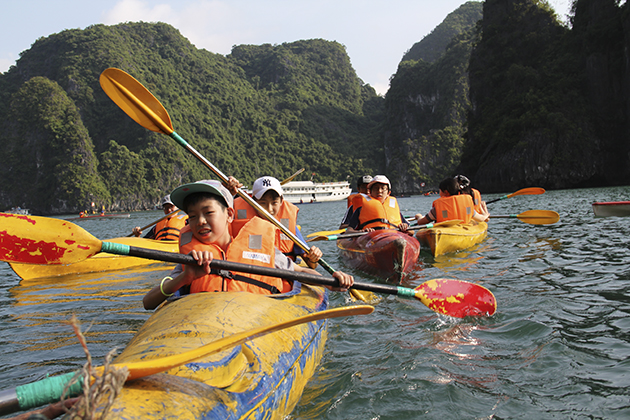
point(263, 378)
point(97, 263)
point(441, 240)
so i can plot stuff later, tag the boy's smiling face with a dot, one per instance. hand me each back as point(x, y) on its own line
point(209, 221)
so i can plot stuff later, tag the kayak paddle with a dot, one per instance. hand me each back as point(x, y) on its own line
point(524, 191)
point(289, 179)
point(326, 233)
point(156, 222)
point(533, 217)
point(51, 389)
point(42, 240)
point(446, 223)
point(144, 108)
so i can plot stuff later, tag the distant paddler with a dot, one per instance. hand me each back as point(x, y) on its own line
point(453, 204)
point(168, 228)
point(377, 209)
point(464, 186)
point(362, 184)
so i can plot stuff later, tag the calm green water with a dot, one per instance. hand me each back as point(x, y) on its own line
point(557, 348)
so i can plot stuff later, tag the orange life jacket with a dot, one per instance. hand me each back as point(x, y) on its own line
point(287, 215)
point(375, 214)
point(476, 200)
point(351, 197)
point(168, 229)
point(454, 207)
point(255, 244)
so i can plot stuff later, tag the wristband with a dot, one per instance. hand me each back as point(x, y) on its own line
point(162, 286)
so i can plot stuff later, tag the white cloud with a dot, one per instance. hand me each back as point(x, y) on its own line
point(206, 23)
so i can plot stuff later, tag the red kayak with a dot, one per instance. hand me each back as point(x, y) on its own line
point(611, 209)
point(386, 253)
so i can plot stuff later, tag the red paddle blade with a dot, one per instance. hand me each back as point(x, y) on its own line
point(456, 298)
point(41, 240)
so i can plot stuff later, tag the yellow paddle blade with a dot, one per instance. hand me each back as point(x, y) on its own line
point(364, 296)
point(152, 366)
point(539, 217)
point(527, 191)
point(136, 100)
point(43, 240)
point(533, 217)
point(326, 233)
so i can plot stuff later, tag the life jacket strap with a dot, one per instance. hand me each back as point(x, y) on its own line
point(238, 277)
point(363, 225)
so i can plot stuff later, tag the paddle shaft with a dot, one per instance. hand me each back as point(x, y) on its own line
point(524, 191)
point(289, 179)
point(153, 121)
point(427, 226)
point(156, 222)
point(120, 249)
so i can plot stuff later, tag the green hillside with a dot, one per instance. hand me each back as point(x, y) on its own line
point(262, 110)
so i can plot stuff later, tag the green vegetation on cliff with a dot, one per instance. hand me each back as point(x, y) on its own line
point(432, 46)
point(260, 110)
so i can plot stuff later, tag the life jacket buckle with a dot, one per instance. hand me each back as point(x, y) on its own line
point(226, 274)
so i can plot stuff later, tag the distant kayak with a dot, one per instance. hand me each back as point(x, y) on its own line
point(612, 208)
point(442, 240)
point(102, 216)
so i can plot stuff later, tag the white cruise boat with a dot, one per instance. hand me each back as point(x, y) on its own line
point(309, 192)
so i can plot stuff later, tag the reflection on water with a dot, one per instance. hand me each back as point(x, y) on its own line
point(558, 346)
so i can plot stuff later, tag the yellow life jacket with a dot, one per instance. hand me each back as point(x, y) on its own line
point(255, 245)
point(375, 214)
point(168, 229)
point(454, 207)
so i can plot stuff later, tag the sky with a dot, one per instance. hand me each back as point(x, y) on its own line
point(376, 33)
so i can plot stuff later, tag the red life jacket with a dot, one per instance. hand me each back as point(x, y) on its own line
point(255, 245)
point(287, 215)
point(454, 207)
point(375, 214)
point(168, 229)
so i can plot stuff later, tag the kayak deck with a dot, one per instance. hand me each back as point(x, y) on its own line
point(442, 240)
point(263, 378)
point(386, 253)
point(99, 262)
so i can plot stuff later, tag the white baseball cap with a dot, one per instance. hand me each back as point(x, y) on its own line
point(167, 200)
point(380, 179)
point(207, 185)
point(264, 184)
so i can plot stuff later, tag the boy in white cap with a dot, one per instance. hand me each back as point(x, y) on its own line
point(379, 210)
point(210, 210)
point(166, 229)
point(268, 193)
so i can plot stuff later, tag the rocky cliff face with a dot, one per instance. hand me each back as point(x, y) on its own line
point(550, 106)
point(426, 108)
